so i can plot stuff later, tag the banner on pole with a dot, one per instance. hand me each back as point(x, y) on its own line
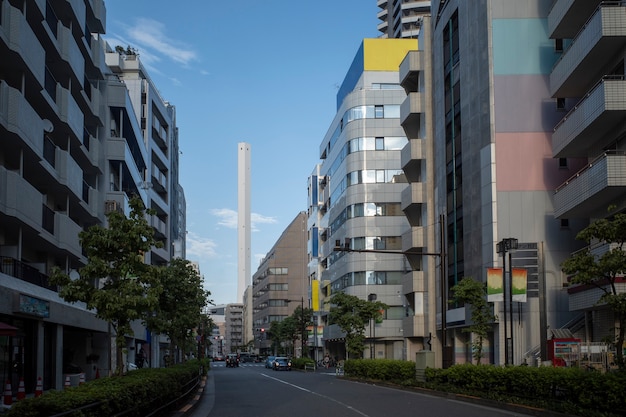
point(518, 286)
point(495, 290)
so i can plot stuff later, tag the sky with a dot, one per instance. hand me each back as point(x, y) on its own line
point(265, 72)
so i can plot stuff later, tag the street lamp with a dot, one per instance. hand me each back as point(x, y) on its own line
point(503, 247)
point(303, 328)
point(372, 298)
point(446, 352)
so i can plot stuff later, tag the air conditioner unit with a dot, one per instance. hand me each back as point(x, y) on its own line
point(110, 206)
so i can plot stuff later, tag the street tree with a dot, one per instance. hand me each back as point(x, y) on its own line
point(289, 331)
point(603, 270)
point(180, 304)
point(472, 292)
point(352, 315)
point(303, 319)
point(116, 282)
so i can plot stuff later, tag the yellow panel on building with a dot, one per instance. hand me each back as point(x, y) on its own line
point(386, 54)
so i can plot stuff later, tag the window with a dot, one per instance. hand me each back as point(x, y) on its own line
point(560, 103)
point(564, 223)
point(558, 45)
point(563, 163)
point(379, 112)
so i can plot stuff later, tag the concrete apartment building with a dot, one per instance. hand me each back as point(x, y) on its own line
point(280, 285)
point(357, 189)
point(401, 18)
point(77, 139)
point(587, 82)
point(233, 329)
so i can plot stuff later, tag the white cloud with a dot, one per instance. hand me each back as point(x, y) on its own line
point(200, 247)
point(151, 35)
point(228, 218)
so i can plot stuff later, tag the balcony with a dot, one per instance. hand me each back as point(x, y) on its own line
point(411, 111)
point(69, 172)
point(69, 111)
point(588, 124)
point(22, 40)
point(410, 67)
point(602, 38)
point(70, 52)
point(567, 17)
point(98, 23)
point(411, 158)
point(19, 199)
point(17, 116)
point(412, 198)
point(413, 282)
point(66, 233)
point(592, 189)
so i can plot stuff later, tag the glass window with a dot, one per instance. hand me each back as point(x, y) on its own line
point(379, 112)
point(380, 144)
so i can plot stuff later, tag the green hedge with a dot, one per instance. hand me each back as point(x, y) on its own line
point(380, 369)
point(141, 391)
point(299, 363)
point(561, 389)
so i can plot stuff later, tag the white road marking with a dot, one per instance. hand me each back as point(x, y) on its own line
point(317, 394)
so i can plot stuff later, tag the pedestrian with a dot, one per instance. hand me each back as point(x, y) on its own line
point(326, 361)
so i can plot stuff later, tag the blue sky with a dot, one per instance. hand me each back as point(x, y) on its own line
point(261, 72)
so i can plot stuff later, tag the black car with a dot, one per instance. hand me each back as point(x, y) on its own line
point(282, 363)
point(232, 360)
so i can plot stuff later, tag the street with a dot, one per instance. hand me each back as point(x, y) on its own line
point(254, 391)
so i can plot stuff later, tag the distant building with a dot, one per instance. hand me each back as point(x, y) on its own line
point(401, 18)
point(233, 328)
point(280, 284)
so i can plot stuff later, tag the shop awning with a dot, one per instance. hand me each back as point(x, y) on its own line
point(6, 330)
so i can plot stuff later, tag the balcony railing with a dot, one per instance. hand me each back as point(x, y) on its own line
point(25, 272)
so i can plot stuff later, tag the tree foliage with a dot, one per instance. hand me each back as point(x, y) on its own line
point(180, 304)
point(303, 319)
point(115, 282)
point(352, 315)
point(604, 270)
point(472, 292)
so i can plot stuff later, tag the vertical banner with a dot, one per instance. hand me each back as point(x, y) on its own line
point(495, 290)
point(315, 295)
point(518, 284)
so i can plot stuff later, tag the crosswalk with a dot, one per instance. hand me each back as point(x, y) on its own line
point(245, 364)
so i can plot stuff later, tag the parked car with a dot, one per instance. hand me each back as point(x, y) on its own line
point(232, 360)
point(269, 362)
point(218, 358)
point(282, 363)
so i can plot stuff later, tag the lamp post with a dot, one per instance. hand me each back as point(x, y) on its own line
point(303, 327)
point(446, 358)
point(371, 298)
point(503, 247)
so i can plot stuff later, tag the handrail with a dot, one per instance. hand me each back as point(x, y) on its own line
point(586, 96)
point(600, 6)
point(586, 167)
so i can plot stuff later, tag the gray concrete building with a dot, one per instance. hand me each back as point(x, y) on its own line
point(356, 192)
point(77, 139)
point(401, 18)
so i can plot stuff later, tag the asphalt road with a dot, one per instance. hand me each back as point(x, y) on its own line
point(254, 391)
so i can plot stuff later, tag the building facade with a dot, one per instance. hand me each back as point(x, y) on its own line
point(401, 18)
point(233, 329)
point(495, 172)
point(78, 138)
point(588, 83)
point(359, 186)
point(280, 285)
